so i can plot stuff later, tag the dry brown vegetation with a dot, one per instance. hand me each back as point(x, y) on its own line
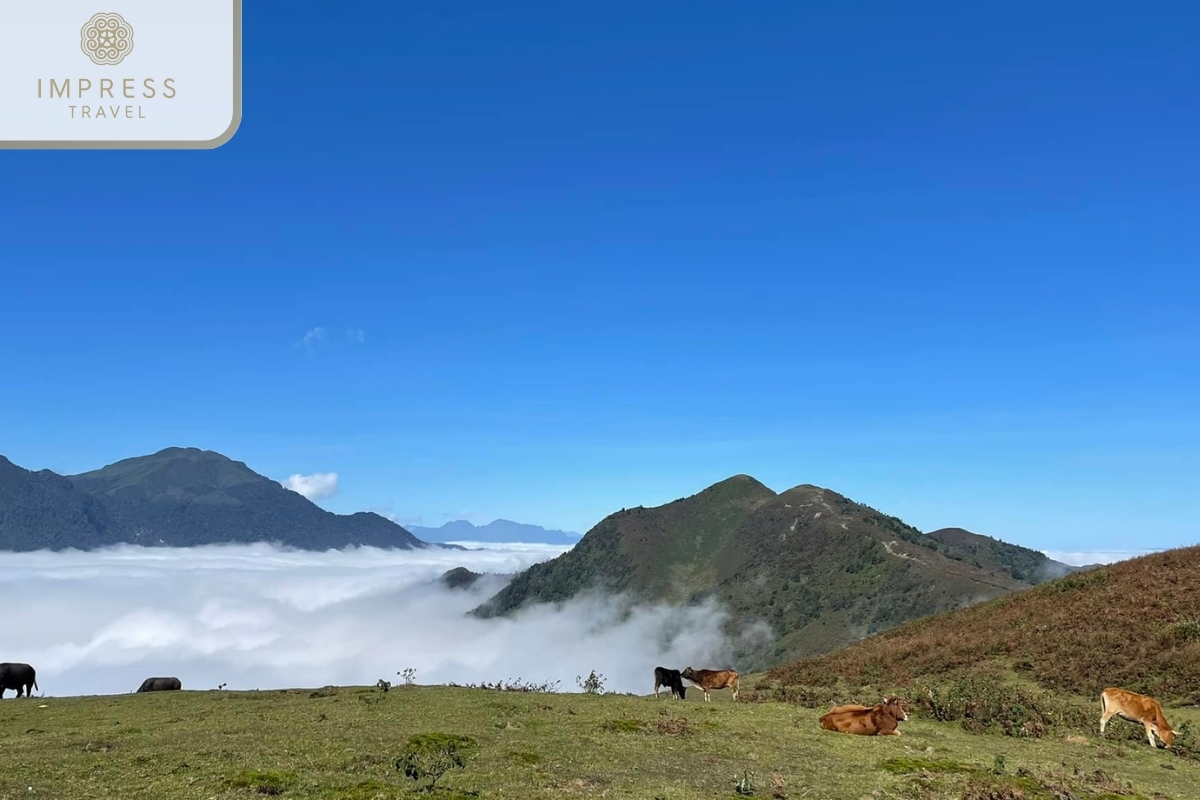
point(1135, 624)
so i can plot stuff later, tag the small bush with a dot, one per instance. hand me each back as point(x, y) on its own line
point(429, 756)
point(546, 687)
point(745, 784)
point(409, 675)
point(383, 685)
point(592, 684)
point(987, 705)
point(806, 696)
point(1078, 581)
point(1187, 742)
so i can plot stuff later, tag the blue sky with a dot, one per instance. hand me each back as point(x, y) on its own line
point(571, 259)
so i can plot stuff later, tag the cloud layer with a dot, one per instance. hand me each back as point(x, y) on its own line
point(260, 617)
point(317, 486)
point(1087, 558)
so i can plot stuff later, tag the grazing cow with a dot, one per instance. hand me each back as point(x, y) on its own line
point(671, 679)
point(160, 685)
point(19, 677)
point(710, 679)
point(1136, 708)
point(880, 720)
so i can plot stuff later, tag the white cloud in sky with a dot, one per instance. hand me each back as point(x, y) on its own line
point(1082, 558)
point(313, 338)
point(318, 486)
point(255, 616)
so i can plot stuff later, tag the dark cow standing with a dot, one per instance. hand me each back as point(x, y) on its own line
point(670, 678)
point(20, 677)
point(160, 685)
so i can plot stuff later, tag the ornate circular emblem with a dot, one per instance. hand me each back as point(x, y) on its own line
point(106, 38)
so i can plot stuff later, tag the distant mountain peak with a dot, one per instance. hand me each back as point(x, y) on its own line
point(178, 496)
point(497, 531)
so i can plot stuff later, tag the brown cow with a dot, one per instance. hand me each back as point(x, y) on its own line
point(880, 720)
point(710, 679)
point(1136, 708)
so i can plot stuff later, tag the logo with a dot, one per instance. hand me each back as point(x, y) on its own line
point(106, 39)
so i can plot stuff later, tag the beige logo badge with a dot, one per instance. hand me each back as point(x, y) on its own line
point(106, 39)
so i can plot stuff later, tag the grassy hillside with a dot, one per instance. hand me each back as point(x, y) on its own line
point(1021, 563)
point(342, 744)
point(660, 553)
point(1134, 624)
point(820, 570)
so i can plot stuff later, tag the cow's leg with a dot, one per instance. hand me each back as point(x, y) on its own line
point(656, 689)
point(1150, 735)
point(890, 733)
point(1104, 718)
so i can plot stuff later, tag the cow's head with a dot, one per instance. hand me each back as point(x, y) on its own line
point(1163, 731)
point(689, 673)
point(895, 707)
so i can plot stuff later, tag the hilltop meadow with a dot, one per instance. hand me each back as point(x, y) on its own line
point(356, 743)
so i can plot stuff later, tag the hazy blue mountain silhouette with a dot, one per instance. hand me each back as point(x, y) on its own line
point(500, 530)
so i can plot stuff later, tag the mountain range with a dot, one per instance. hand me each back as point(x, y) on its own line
point(177, 497)
point(498, 531)
point(818, 569)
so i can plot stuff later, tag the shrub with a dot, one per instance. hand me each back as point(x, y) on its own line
point(546, 687)
point(745, 784)
point(409, 675)
point(986, 704)
point(429, 756)
point(592, 684)
point(383, 685)
point(1187, 742)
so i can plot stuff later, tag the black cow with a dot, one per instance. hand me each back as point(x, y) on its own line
point(20, 677)
point(160, 685)
point(671, 679)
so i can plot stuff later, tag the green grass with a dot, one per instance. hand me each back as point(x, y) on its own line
point(343, 744)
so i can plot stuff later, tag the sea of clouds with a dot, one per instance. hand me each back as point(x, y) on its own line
point(261, 617)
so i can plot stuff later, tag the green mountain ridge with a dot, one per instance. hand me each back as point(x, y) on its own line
point(819, 569)
point(178, 497)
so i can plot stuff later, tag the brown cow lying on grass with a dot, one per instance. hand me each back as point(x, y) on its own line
point(1136, 708)
point(880, 720)
point(710, 679)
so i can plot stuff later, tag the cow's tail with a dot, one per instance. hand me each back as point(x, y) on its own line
point(35, 685)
